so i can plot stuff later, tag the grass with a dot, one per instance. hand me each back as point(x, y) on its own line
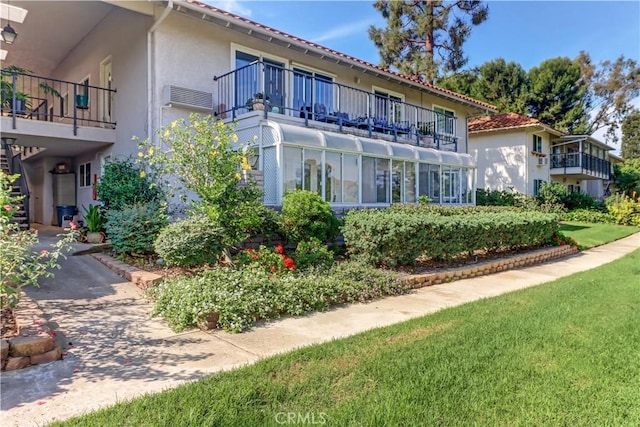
point(563, 353)
point(589, 235)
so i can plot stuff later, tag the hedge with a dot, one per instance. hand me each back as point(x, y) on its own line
point(399, 236)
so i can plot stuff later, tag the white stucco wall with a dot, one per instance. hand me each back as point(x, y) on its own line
point(505, 159)
point(122, 37)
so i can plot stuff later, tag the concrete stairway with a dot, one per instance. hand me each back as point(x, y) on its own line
point(20, 214)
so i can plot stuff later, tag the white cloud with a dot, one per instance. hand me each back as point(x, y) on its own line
point(343, 30)
point(234, 6)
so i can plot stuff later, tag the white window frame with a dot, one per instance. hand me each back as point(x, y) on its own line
point(538, 143)
point(82, 175)
point(444, 109)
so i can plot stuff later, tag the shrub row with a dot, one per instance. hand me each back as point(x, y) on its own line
point(589, 215)
point(400, 236)
point(242, 297)
point(452, 210)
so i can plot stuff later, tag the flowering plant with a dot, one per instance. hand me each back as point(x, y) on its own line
point(272, 260)
point(559, 239)
point(20, 265)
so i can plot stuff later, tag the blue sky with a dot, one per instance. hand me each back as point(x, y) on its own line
point(527, 32)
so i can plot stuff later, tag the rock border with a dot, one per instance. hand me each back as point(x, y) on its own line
point(142, 279)
point(34, 344)
point(508, 263)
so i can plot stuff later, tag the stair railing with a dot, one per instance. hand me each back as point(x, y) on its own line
point(15, 167)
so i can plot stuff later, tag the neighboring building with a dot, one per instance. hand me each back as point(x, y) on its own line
point(518, 153)
point(357, 134)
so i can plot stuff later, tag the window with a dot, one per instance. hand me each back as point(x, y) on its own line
point(445, 121)
point(536, 186)
point(350, 178)
point(311, 88)
point(292, 168)
point(375, 180)
point(82, 95)
point(387, 106)
point(312, 180)
point(251, 78)
point(84, 174)
point(537, 143)
point(333, 177)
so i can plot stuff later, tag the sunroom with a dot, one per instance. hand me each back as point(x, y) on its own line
point(352, 171)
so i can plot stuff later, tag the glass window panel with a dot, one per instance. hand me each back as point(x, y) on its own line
point(396, 181)
point(313, 171)
point(423, 180)
point(333, 177)
point(455, 185)
point(350, 179)
point(292, 168)
point(409, 182)
point(369, 180)
point(246, 79)
point(434, 182)
point(382, 180)
point(446, 185)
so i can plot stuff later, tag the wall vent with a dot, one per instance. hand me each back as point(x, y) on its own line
point(188, 98)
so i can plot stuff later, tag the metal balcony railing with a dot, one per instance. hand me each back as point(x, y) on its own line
point(27, 96)
point(586, 162)
point(273, 89)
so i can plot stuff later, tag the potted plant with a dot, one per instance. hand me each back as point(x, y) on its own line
point(22, 98)
point(95, 223)
point(258, 101)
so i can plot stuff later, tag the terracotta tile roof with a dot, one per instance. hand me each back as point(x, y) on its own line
point(340, 54)
point(502, 121)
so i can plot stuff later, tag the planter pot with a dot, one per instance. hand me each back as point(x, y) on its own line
point(95, 237)
point(21, 106)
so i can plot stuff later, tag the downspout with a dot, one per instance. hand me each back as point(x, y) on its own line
point(151, 70)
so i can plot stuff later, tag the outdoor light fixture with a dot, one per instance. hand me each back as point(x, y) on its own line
point(9, 34)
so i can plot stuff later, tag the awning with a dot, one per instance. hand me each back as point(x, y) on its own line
point(315, 138)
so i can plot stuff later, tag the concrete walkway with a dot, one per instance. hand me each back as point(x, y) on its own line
point(115, 351)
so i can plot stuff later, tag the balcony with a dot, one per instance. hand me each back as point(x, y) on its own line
point(27, 97)
point(312, 100)
point(580, 165)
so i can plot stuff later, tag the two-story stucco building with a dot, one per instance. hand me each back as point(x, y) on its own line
point(357, 134)
point(519, 153)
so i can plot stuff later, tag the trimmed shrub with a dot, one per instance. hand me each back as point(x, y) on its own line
point(306, 216)
point(393, 236)
point(626, 209)
point(190, 242)
point(588, 215)
point(494, 198)
point(313, 254)
point(242, 297)
point(122, 184)
point(552, 193)
point(133, 229)
point(579, 200)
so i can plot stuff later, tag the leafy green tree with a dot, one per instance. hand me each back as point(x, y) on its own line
point(464, 82)
point(558, 95)
point(423, 37)
point(201, 156)
point(627, 175)
point(631, 136)
point(503, 84)
point(612, 86)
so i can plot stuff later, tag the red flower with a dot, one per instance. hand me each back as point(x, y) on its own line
point(44, 252)
point(288, 263)
point(250, 250)
point(555, 238)
point(73, 225)
point(280, 249)
point(8, 208)
point(273, 268)
point(561, 243)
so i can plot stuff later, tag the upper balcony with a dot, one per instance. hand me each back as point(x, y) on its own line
point(37, 108)
point(307, 99)
point(580, 165)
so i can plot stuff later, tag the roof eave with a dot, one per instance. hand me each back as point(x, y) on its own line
point(321, 51)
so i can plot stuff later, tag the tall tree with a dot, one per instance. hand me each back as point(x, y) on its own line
point(631, 136)
point(464, 82)
point(503, 84)
point(423, 37)
point(612, 87)
point(559, 96)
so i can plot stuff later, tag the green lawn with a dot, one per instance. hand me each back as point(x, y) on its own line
point(564, 353)
point(589, 235)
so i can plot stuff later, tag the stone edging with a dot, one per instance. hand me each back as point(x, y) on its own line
point(143, 279)
point(509, 263)
point(34, 344)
